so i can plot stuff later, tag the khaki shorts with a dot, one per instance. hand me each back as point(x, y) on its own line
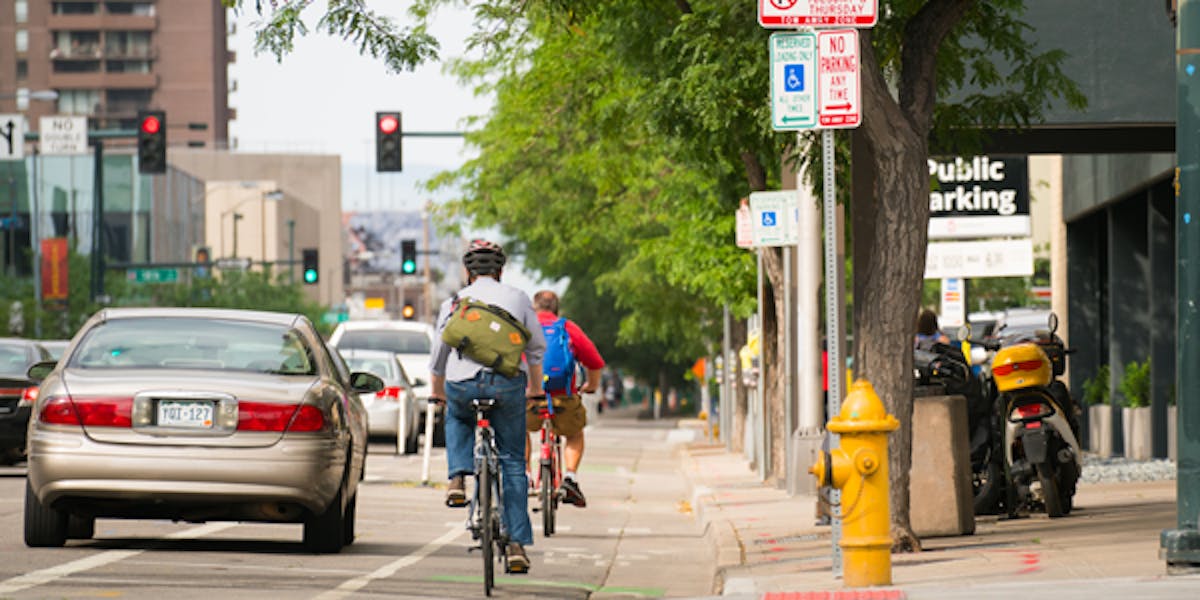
point(570, 416)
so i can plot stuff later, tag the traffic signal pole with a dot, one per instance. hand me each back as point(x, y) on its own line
point(98, 221)
point(1180, 547)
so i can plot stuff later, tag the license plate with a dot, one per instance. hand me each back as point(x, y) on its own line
point(190, 414)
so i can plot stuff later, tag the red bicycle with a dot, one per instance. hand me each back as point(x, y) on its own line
point(549, 476)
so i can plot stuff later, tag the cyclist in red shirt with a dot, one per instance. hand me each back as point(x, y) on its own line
point(570, 417)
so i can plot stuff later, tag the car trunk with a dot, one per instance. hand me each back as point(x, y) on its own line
point(185, 407)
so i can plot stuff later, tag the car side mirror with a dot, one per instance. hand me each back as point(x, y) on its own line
point(40, 370)
point(365, 383)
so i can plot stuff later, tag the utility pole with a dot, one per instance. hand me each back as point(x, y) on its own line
point(1181, 547)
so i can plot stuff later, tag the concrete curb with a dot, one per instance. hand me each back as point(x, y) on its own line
point(726, 547)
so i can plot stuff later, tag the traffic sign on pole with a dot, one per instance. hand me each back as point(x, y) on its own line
point(61, 134)
point(788, 14)
point(773, 217)
point(793, 81)
point(839, 79)
point(12, 137)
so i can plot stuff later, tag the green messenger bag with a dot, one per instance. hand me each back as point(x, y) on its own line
point(486, 334)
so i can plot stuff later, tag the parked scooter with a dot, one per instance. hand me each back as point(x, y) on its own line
point(946, 369)
point(1042, 456)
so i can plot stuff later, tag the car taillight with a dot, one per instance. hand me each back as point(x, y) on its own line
point(89, 411)
point(28, 396)
point(390, 393)
point(1028, 365)
point(262, 416)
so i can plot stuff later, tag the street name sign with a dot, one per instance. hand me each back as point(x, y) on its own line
point(12, 137)
point(839, 98)
point(788, 14)
point(152, 275)
point(986, 258)
point(240, 263)
point(793, 81)
point(61, 134)
point(774, 216)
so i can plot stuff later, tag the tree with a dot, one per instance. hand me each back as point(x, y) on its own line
point(638, 126)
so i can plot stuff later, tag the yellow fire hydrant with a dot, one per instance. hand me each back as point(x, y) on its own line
point(859, 468)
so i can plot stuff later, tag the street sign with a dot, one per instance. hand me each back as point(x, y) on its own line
point(793, 81)
point(61, 134)
point(839, 99)
point(789, 14)
point(233, 264)
point(745, 232)
point(12, 137)
point(953, 313)
point(152, 275)
point(773, 217)
point(988, 258)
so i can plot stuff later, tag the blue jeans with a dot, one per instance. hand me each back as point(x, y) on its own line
point(508, 421)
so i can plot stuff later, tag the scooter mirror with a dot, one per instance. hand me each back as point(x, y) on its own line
point(1052, 322)
point(964, 331)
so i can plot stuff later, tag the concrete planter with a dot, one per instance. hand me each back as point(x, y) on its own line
point(1138, 432)
point(1100, 429)
point(1172, 435)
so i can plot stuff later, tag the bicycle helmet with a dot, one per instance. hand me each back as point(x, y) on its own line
point(484, 257)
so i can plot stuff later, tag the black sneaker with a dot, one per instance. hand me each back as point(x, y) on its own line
point(518, 563)
point(456, 492)
point(572, 494)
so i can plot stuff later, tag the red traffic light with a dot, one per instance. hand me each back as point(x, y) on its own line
point(151, 124)
point(389, 124)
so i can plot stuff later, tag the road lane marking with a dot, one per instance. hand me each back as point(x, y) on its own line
point(350, 586)
point(645, 592)
point(44, 576)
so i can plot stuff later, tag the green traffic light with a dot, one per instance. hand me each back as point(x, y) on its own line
point(409, 267)
point(310, 276)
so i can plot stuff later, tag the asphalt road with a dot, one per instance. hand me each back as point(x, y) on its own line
point(636, 539)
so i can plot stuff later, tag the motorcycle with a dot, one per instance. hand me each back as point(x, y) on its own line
point(946, 369)
point(1042, 456)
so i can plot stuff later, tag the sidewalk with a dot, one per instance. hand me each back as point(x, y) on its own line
point(768, 546)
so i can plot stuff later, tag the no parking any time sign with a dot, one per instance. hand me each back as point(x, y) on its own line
point(838, 96)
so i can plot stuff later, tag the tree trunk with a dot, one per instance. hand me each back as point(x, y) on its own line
point(776, 371)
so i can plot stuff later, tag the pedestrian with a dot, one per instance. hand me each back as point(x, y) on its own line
point(928, 333)
point(458, 379)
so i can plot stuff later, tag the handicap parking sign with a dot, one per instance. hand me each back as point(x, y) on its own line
point(768, 218)
point(793, 77)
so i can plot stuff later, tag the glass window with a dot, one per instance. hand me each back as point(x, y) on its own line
point(130, 8)
point(78, 102)
point(400, 342)
point(75, 8)
point(22, 9)
point(194, 343)
point(14, 360)
point(127, 44)
point(22, 70)
point(383, 367)
point(22, 41)
point(23, 98)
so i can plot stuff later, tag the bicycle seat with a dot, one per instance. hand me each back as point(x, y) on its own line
point(483, 404)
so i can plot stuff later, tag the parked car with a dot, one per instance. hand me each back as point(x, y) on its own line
point(397, 397)
point(411, 340)
point(17, 393)
point(1021, 321)
point(197, 415)
point(55, 347)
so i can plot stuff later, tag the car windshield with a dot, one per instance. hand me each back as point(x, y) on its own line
point(13, 360)
point(191, 343)
point(1022, 326)
point(400, 342)
point(385, 369)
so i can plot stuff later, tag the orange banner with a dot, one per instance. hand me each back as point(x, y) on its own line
point(54, 269)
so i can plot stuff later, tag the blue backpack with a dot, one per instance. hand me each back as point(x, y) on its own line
point(558, 363)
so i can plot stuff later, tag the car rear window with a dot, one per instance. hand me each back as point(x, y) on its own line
point(14, 360)
point(194, 343)
point(400, 342)
point(386, 369)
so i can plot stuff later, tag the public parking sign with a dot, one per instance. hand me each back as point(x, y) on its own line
point(839, 82)
point(62, 135)
point(793, 81)
point(780, 14)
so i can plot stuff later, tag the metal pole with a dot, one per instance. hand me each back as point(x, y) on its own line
point(236, 217)
point(291, 250)
point(727, 385)
point(98, 221)
point(35, 235)
point(833, 326)
point(427, 292)
point(11, 230)
point(788, 367)
point(759, 392)
point(1181, 547)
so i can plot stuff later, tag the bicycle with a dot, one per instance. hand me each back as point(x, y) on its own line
point(485, 519)
point(548, 479)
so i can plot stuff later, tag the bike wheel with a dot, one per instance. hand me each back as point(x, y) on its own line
point(1050, 493)
point(547, 498)
point(483, 484)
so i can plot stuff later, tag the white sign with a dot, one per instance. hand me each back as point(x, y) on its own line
point(240, 263)
point(793, 81)
point(954, 307)
point(787, 14)
point(774, 217)
point(745, 232)
point(989, 258)
point(944, 228)
point(62, 135)
point(12, 137)
point(839, 97)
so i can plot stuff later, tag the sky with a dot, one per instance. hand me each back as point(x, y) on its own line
point(322, 98)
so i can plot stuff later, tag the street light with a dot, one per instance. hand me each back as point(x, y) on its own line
point(274, 195)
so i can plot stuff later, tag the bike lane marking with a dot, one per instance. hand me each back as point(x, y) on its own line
point(44, 576)
point(350, 586)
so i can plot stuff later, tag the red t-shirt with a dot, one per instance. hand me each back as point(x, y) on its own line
point(581, 345)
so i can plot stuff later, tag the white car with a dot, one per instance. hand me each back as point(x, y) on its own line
point(398, 396)
point(411, 341)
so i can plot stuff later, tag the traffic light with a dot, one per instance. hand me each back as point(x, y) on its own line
point(408, 257)
point(152, 141)
point(387, 141)
point(312, 267)
point(409, 311)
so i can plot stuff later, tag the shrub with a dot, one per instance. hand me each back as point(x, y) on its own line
point(1135, 385)
point(1096, 389)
